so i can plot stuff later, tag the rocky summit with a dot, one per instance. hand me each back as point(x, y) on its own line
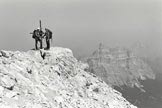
point(119, 67)
point(52, 79)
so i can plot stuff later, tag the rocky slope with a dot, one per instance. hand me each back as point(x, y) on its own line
point(119, 67)
point(52, 79)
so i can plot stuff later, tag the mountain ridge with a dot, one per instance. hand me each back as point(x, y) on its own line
point(52, 79)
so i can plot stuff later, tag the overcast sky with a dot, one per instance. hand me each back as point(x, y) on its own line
point(82, 24)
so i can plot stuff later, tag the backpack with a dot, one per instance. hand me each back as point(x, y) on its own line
point(34, 34)
point(49, 34)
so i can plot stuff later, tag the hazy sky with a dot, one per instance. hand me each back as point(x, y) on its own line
point(82, 24)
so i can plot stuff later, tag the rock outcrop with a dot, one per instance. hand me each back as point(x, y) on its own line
point(119, 67)
point(52, 79)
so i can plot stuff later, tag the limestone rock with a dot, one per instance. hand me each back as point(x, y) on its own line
point(119, 66)
point(52, 79)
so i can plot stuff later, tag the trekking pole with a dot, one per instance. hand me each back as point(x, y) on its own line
point(40, 24)
point(41, 33)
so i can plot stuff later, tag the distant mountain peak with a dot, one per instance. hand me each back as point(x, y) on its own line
point(119, 66)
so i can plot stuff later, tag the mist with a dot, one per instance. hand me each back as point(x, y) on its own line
point(82, 24)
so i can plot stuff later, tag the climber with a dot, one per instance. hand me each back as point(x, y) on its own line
point(37, 35)
point(48, 36)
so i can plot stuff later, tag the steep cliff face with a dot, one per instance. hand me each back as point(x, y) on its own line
point(52, 79)
point(119, 66)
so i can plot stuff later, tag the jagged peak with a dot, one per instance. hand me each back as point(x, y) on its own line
point(119, 66)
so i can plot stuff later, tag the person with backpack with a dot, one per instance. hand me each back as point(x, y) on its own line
point(37, 35)
point(48, 36)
